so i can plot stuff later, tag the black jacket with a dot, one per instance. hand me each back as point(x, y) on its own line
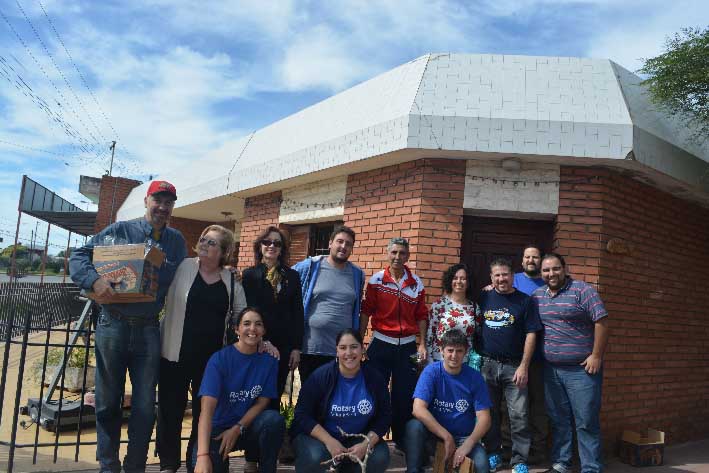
point(283, 316)
point(315, 394)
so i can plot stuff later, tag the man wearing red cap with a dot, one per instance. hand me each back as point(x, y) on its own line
point(128, 335)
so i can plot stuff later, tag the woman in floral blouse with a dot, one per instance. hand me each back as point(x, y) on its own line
point(455, 309)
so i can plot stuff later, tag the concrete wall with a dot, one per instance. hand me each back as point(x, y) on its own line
point(532, 187)
point(316, 202)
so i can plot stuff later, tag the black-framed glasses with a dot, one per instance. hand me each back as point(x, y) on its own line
point(208, 241)
point(276, 243)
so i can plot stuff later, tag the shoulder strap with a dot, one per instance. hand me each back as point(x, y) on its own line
point(231, 296)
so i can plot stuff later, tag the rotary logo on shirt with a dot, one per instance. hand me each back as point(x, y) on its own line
point(461, 405)
point(364, 407)
point(498, 318)
point(245, 394)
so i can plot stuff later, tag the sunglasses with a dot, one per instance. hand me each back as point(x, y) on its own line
point(208, 241)
point(276, 243)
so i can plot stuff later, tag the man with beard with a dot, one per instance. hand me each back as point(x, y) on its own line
point(332, 291)
point(128, 335)
point(507, 338)
point(576, 335)
point(395, 303)
point(528, 281)
point(530, 278)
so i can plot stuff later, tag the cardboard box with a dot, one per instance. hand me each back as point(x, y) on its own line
point(639, 450)
point(440, 465)
point(134, 270)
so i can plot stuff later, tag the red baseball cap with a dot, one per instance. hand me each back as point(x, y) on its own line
point(157, 187)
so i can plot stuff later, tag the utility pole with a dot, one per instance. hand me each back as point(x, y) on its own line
point(113, 152)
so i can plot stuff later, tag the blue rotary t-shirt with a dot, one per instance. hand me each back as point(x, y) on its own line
point(236, 381)
point(351, 406)
point(507, 319)
point(453, 399)
point(526, 284)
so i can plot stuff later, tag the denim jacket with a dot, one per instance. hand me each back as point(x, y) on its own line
point(171, 242)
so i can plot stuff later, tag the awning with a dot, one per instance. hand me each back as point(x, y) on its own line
point(39, 202)
point(80, 222)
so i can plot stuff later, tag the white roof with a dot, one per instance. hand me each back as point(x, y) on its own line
point(471, 103)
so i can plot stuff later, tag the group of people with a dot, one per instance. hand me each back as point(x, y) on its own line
point(232, 339)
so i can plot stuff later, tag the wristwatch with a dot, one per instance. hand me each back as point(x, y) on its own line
point(242, 428)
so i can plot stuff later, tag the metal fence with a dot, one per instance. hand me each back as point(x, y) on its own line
point(44, 316)
point(48, 304)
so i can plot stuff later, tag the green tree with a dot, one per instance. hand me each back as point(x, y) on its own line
point(21, 251)
point(678, 79)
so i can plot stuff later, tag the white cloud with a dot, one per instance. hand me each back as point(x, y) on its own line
point(628, 41)
point(318, 58)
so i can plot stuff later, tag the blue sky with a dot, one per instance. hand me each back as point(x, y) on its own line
point(172, 81)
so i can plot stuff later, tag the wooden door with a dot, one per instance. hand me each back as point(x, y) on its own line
point(487, 238)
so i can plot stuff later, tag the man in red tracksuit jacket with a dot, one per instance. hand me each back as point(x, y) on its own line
point(395, 303)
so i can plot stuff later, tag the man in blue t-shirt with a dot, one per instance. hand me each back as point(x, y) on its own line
point(451, 403)
point(507, 339)
point(528, 281)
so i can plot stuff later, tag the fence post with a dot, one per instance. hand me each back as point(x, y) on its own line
point(18, 392)
point(6, 355)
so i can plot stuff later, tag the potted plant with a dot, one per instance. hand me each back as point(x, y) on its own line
point(73, 372)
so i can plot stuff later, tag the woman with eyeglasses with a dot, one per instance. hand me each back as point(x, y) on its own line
point(193, 328)
point(274, 288)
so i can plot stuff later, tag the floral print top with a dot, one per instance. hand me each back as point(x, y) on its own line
point(445, 315)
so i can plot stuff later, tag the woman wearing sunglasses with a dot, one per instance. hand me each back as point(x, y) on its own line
point(274, 288)
point(192, 329)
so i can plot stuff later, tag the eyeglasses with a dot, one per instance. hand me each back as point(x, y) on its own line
point(208, 241)
point(276, 243)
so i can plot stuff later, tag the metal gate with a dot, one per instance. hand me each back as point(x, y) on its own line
point(37, 324)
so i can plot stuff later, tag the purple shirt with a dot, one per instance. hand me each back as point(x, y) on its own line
point(569, 320)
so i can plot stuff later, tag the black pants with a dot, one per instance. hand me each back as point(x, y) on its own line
point(175, 381)
point(283, 370)
point(309, 363)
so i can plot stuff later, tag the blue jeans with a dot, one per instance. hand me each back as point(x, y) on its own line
point(420, 444)
point(393, 361)
point(263, 437)
point(499, 379)
point(122, 346)
point(574, 397)
point(311, 452)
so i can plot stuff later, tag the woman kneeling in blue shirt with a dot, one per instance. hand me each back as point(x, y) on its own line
point(237, 386)
point(343, 394)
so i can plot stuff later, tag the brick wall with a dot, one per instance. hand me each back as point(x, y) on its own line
point(259, 212)
point(421, 201)
point(653, 285)
point(191, 230)
point(113, 192)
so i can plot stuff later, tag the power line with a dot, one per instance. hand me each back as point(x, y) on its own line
point(83, 80)
point(41, 68)
point(57, 117)
point(61, 73)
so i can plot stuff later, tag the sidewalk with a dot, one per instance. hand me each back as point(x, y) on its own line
point(690, 457)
